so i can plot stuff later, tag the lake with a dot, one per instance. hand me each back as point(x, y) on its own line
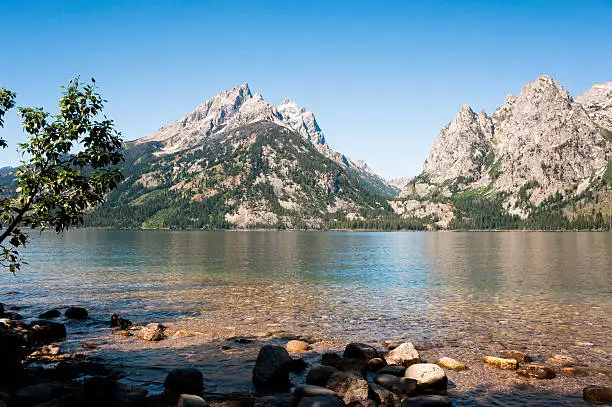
point(461, 294)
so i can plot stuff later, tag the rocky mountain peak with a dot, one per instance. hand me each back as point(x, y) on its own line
point(597, 101)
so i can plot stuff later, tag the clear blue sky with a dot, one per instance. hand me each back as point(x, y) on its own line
point(382, 76)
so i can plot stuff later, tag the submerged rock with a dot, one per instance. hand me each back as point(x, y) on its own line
point(320, 401)
point(46, 331)
point(387, 398)
point(402, 386)
point(271, 371)
point(76, 313)
point(51, 314)
point(307, 390)
point(536, 371)
point(516, 354)
point(451, 364)
point(152, 332)
point(40, 393)
point(376, 364)
point(394, 370)
point(562, 361)
point(405, 355)
point(428, 401)
point(506, 364)
point(597, 394)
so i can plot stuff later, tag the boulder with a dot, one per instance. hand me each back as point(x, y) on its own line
point(350, 365)
point(39, 393)
point(376, 364)
point(428, 401)
point(120, 323)
point(402, 386)
point(320, 401)
point(394, 370)
point(386, 398)
point(516, 354)
point(190, 400)
point(356, 350)
point(451, 364)
point(298, 365)
point(319, 375)
point(54, 313)
point(102, 391)
point(350, 387)
point(76, 313)
point(183, 381)
point(536, 371)
point(46, 331)
point(405, 355)
point(152, 332)
point(506, 364)
point(427, 375)
point(297, 346)
point(597, 394)
point(271, 371)
point(10, 356)
point(330, 358)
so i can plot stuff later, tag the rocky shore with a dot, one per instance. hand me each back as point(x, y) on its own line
point(290, 370)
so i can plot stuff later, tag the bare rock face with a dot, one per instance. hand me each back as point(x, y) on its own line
point(540, 145)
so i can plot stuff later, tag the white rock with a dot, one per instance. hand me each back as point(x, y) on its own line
point(426, 374)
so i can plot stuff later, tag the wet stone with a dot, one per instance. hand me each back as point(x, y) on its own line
point(536, 371)
point(307, 390)
point(320, 401)
point(330, 358)
point(190, 400)
point(297, 346)
point(597, 394)
point(402, 386)
point(386, 397)
point(117, 321)
point(76, 313)
point(506, 364)
point(271, 371)
point(451, 364)
point(562, 361)
point(54, 313)
point(46, 331)
point(152, 332)
point(517, 355)
point(376, 364)
point(350, 365)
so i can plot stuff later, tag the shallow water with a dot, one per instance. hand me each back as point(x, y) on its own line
point(469, 293)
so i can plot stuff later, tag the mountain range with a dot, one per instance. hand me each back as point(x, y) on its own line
point(541, 160)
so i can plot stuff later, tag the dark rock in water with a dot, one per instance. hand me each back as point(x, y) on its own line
point(376, 364)
point(386, 398)
point(364, 403)
point(76, 313)
point(356, 350)
point(190, 400)
point(152, 332)
point(183, 381)
point(597, 394)
point(536, 371)
point(13, 316)
point(395, 370)
point(516, 354)
point(271, 371)
point(319, 375)
point(243, 341)
point(40, 393)
point(350, 387)
point(1, 309)
point(428, 401)
point(54, 313)
point(402, 386)
point(330, 358)
point(121, 323)
point(298, 365)
point(321, 401)
point(46, 331)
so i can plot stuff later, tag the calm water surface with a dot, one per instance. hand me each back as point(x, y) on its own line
point(546, 293)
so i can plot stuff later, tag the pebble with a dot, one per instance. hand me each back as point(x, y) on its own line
point(296, 346)
point(536, 371)
point(597, 394)
point(562, 360)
